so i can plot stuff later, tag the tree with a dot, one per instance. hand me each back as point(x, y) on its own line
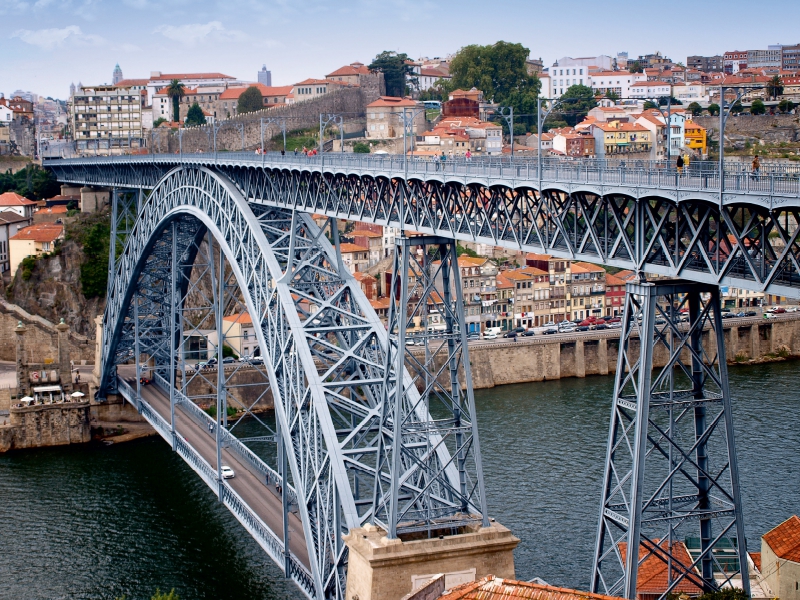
point(576, 103)
point(648, 105)
point(158, 122)
point(636, 67)
point(785, 105)
point(195, 116)
point(695, 109)
point(737, 108)
point(757, 107)
point(713, 109)
point(176, 90)
point(250, 100)
point(665, 100)
point(361, 148)
point(612, 95)
point(725, 594)
point(159, 595)
point(500, 72)
point(775, 87)
point(395, 67)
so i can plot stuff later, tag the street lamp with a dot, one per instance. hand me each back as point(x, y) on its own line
point(268, 120)
point(327, 119)
point(507, 113)
point(723, 118)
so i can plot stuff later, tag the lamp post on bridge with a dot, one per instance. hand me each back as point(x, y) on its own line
point(324, 121)
point(724, 113)
point(507, 114)
point(408, 128)
point(268, 120)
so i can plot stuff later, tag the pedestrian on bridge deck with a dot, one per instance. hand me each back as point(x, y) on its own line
point(756, 166)
point(679, 164)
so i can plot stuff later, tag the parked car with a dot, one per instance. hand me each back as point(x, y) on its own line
point(510, 334)
point(582, 328)
point(779, 311)
point(228, 360)
point(769, 315)
point(227, 472)
point(751, 313)
point(727, 315)
point(601, 326)
point(615, 325)
point(613, 320)
point(550, 331)
point(256, 360)
point(529, 333)
point(410, 342)
point(490, 335)
point(473, 336)
point(791, 309)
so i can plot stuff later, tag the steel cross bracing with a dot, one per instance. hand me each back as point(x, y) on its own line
point(420, 490)
point(671, 476)
point(324, 348)
point(667, 225)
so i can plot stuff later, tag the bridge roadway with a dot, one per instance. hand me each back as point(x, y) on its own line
point(264, 500)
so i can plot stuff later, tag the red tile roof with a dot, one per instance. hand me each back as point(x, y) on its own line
point(131, 82)
point(392, 101)
point(493, 588)
point(784, 540)
point(584, 267)
point(243, 318)
point(756, 557)
point(14, 199)
point(347, 247)
point(46, 232)
point(355, 68)
point(171, 76)
point(652, 578)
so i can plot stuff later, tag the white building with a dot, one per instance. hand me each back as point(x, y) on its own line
point(13, 202)
point(618, 82)
point(599, 62)
point(159, 80)
point(650, 90)
point(6, 115)
point(10, 224)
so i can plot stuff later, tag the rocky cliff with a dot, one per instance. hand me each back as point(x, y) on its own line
point(53, 289)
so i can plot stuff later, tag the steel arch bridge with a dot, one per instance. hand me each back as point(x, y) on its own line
point(328, 360)
point(356, 440)
point(737, 230)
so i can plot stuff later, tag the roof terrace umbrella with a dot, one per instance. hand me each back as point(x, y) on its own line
point(77, 394)
point(26, 399)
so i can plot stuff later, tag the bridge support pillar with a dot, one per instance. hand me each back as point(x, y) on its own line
point(380, 568)
point(671, 497)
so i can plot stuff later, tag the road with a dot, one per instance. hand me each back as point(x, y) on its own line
point(264, 500)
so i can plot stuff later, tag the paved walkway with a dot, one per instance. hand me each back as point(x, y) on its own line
point(264, 500)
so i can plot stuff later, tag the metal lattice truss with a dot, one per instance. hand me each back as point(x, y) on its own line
point(671, 477)
point(423, 487)
point(325, 351)
point(750, 243)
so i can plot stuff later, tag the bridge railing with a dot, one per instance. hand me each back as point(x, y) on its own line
point(778, 179)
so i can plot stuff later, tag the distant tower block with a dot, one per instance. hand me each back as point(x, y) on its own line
point(116, 77)
point(265, 77)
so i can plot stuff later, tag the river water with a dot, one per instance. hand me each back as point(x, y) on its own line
point(100, 522)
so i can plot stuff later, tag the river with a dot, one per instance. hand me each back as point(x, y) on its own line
point(100, 522)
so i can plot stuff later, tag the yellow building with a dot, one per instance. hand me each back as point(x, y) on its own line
point(616, 137)
point(33, 241)
point(695, 137)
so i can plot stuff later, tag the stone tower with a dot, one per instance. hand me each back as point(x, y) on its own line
point(116, 77)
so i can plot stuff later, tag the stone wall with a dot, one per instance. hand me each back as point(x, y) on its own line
point(41, 337)
point(543, 358)
point(350, 102)
point(247, 386)
point(46, 425)
point(771, 129)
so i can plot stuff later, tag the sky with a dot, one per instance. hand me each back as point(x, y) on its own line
point(46, 44)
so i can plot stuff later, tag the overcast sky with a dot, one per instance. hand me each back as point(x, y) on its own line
point(46, 44)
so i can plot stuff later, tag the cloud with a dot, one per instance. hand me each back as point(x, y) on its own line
point(48, 39)
point(192, 33)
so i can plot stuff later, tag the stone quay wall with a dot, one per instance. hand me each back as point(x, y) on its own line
point(46, 425)
point(771, 129)
point(544, 357)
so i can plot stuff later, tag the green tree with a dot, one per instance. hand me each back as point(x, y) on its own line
point(251, 100)
point(757, 107)
point(785, 105)
point(612, 95)
point(195, 116)
point(775, 87)
point(576, 103)
point(33, 182)
point(666, 100)
point(361, 148)
point(159, 121)
point(159, 595)
point(695, 109)
point(636, 67)
point(737, 108)
point(648, 105)
point(725, 594)
point(176, 90)
point(713, 109)
point(95, 240)
point(500, 72)
point(395, 68)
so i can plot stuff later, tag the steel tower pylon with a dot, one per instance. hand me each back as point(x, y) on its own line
point(420, 487)
point(671, 479)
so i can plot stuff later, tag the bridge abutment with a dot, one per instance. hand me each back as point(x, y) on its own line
point(380, 568)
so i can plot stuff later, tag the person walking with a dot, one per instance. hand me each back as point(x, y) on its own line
point(686, 160)
point(295, 152)
point(756, 166)
point(443, 159)
point(679, 164)
point(468, 155)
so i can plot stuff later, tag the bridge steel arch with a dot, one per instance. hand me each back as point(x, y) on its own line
point(326, 364)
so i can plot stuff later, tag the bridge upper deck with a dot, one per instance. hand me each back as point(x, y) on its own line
point(773, 185)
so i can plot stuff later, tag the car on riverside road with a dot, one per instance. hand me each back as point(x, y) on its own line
point(227, 472)
point(490, 335)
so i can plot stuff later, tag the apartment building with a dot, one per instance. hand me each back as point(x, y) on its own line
point(239, 334)
point(308, 89)
point(559, 273)
point(531, 296)
point(354, 257)
point(158, 81)
point(104, 118)
point(707, 64)
point(10, 225)
point(618, 138)
point(385, 117)
point(34, 240)
point(207, 98)
point(227, 104)
point(615, 296)
point(587, 290)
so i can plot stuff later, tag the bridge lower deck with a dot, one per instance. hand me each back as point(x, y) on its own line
point(262, 498)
